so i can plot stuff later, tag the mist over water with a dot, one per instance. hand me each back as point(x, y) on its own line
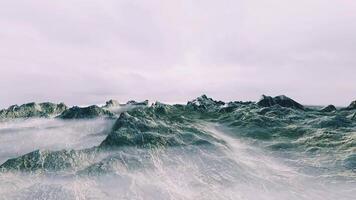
point(233, 168)
point(20, 136)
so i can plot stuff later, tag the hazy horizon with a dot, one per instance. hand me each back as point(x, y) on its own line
point(86, 52)
point(151, 101)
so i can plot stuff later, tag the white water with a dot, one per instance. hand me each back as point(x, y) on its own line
point(236, 170)
point(21, 136)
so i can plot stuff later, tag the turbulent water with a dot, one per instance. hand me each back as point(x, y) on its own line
point(206, 149)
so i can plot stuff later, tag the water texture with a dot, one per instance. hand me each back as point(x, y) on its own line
point(272, 149)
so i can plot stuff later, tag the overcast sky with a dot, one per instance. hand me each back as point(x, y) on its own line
point(88, 51)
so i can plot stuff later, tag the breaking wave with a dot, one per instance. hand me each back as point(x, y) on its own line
point(273, 149)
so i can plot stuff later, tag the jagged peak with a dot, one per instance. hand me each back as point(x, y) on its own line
point(352, 106)
point(281, 97)
point(88, 112)
point(32, 109)
point(112, 103)
point(34, 104)
point(328, 108)
point(157, 103)
point(204, 99)
point(142, 103)
point(203, 96)
point(282, 100)
point(203, 102)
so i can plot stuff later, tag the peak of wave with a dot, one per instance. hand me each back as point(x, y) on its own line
point(111, 103)
point(204, 103)
point(282, 100)
point(329, 108)
point(33, 109)
point(352, 106)
point(85, 113)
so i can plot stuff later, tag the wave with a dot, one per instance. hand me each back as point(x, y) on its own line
point(273, 149)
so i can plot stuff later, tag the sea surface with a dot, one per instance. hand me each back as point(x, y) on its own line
point(202, 150)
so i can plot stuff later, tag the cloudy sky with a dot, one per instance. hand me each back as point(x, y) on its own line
point(88, 51)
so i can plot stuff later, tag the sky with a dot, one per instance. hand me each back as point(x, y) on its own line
point(88, 51)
